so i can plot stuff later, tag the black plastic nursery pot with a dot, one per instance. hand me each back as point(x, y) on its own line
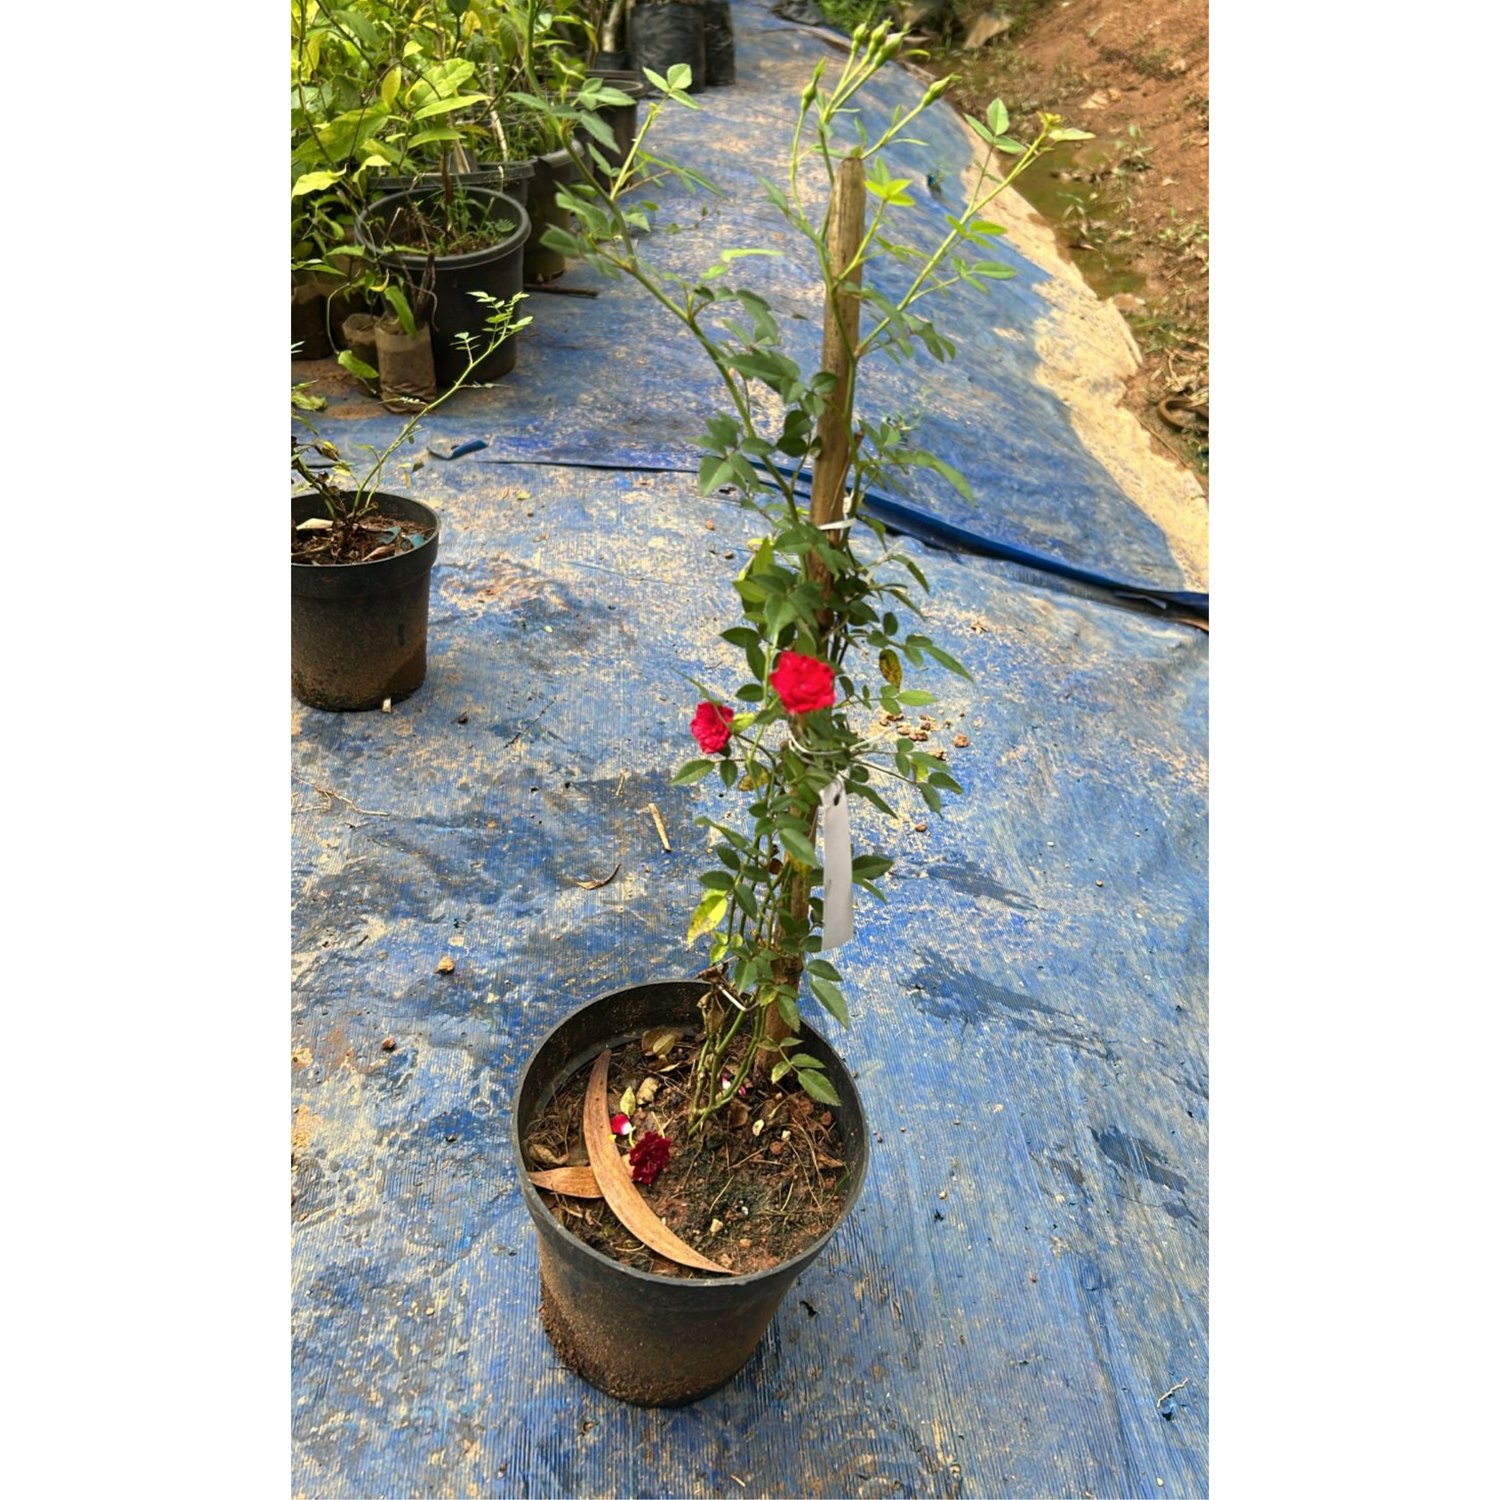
point(718, 44)
point(647, 1339)
point(359, 630)
point(510, 177)
point(453, 279)
point(663, 33)
point(553, 171)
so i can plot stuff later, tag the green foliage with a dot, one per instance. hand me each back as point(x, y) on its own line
point(345, 503)
point(839, 594)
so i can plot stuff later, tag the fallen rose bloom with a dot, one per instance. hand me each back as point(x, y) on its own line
point(803, 683)
point(710, 726)
point(648, 1156)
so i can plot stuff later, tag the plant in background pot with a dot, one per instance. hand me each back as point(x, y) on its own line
point(661, 1268)
point(362, 558)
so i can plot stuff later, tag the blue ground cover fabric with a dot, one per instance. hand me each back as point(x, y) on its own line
point(1025, 1276)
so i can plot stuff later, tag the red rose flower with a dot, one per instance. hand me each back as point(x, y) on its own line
point(804, 683)
point(711, 726)
point(648, 1156)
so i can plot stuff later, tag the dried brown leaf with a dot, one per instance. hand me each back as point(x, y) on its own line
point(614, 1177)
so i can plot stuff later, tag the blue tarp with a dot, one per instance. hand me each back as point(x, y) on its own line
point(1029, 1012)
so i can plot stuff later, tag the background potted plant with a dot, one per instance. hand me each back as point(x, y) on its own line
point(818, 721)
point(362, 557)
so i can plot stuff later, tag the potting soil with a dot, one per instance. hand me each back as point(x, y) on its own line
point(1018, 1304)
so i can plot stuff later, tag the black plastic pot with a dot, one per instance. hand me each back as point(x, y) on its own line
point(664, 34)
point(555, 170)
point(614, 62)
point(451, 307)
point(718, 43)
point(510, 177)
point(648, 1339)
point(359, 630)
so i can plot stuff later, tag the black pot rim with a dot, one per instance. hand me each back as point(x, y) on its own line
point(382, 208)
point(428, 516)
point(691, 1285)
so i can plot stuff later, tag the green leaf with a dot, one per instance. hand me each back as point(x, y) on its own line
point(708, 916)
point(1072, 135)
point(916, 698)
point(872, 866)
point(356, 366)
point(806, 1060)
point(822, 968)
point(798, 846)
point(694, 770)
point(952, 663)
point(786, 1003)
point(890, 667)
point(831, 998)
point(447, 106)
point(314, 182)
point(780, 1071)
point(396, 299)
point(816, 1086)
point(999, 117)
point(436, 134)
point(714, 473)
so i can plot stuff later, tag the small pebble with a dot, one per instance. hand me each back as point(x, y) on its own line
point(919, 827)
point(745, 1242)
point(1098, 882)
point(388, 1045)
point(943, 1194)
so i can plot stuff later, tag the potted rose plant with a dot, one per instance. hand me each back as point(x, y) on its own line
point(746, 1139)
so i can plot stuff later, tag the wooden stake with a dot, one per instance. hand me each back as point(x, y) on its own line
point(846, 233)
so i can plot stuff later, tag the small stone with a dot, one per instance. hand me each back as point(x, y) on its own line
point(445, 965)
point(388, 1045)
point(745, 1242)
point(919, 828)
point(716, 1226)
point(1098, 882)
point(943, 1194)
point(777, 1148)
point(961, 741)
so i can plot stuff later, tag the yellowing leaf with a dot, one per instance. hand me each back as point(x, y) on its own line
point(890, 667)
point(708, 916)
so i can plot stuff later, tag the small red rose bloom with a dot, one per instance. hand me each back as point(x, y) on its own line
point(804, 683)
point(648, 1156)
point(711, 726)
point(620, 1124)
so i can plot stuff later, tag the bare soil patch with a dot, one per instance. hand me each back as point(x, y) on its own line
point(1135, 200)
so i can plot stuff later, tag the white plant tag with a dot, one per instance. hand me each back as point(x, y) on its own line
point(838, 862)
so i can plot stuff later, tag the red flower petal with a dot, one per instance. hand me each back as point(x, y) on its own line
point(710, 726)
point(803, 683)
point(648, 1156)
point(620, 1124)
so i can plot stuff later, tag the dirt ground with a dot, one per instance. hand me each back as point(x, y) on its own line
point(1131, 207)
